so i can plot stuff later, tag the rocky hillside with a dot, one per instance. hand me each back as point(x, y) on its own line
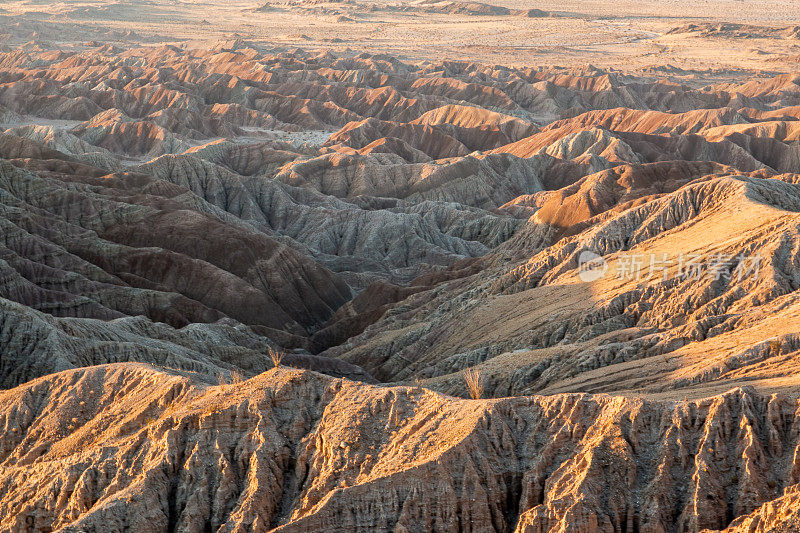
point(129, 447)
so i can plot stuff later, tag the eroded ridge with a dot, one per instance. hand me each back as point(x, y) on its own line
point(128, 446)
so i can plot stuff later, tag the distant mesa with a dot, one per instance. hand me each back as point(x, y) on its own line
point(533, 13)
point(474, 8)
point(731, 30)
point(268, 8)
point(463, 8)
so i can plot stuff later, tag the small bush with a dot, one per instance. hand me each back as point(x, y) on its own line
point(474, 382)
point(234, 377)
point(276, 356)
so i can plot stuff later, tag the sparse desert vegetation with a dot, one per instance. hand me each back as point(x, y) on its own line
point(474, 382)
point(276, 356)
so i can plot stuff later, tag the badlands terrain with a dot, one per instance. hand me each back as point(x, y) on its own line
point(595, 210)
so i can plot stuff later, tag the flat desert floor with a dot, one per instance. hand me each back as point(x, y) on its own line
point(719, 35)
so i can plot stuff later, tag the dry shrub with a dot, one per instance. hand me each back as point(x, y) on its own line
point(234, 378)
point(276, 356)
point(474, 382)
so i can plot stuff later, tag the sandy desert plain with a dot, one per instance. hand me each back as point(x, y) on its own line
point(400, 266)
